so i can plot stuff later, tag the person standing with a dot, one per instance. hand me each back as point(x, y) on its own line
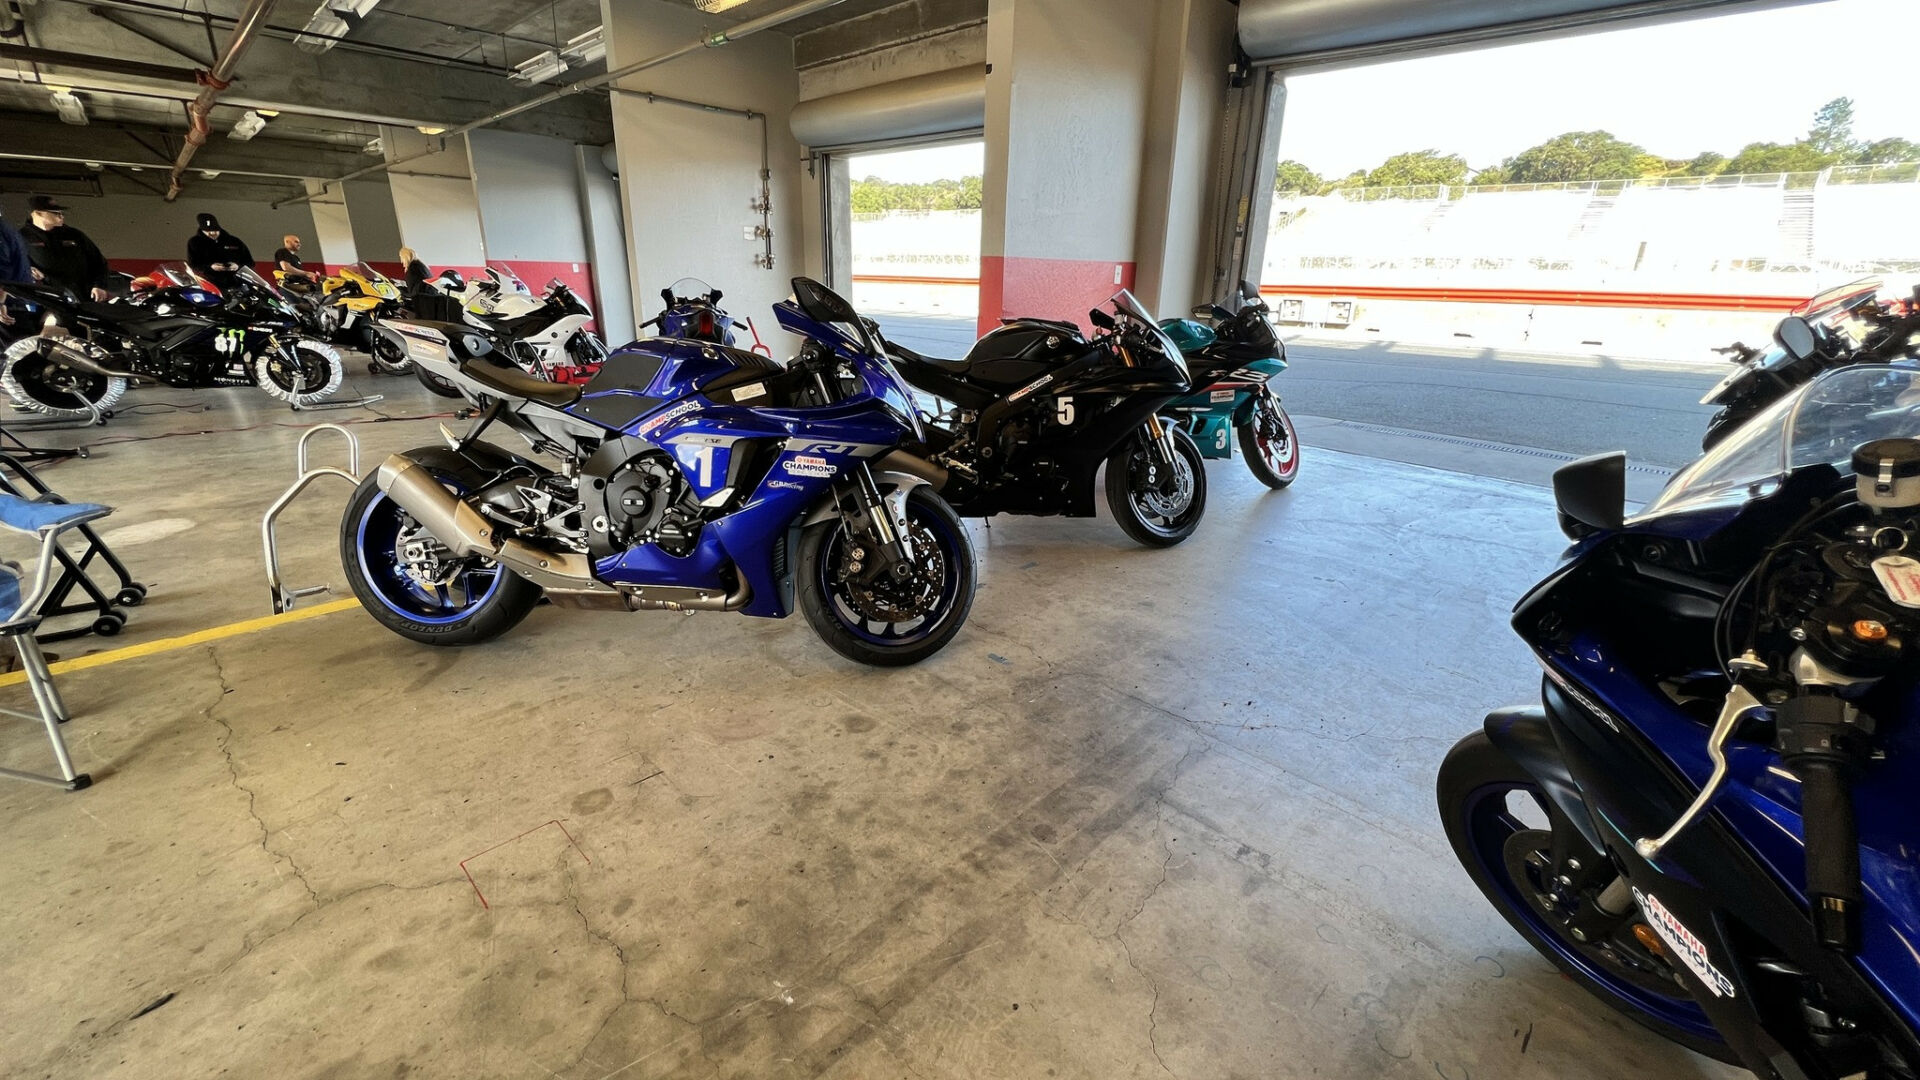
point(294, 274)
point(418, 272)
point(14, 265)
point(62, 255)
point(216, 254)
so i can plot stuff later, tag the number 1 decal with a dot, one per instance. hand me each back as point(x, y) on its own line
point(703, 461)
point(1063, 411)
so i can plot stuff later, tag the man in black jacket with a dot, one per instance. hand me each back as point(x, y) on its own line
point(216, 254)
point(62, 255)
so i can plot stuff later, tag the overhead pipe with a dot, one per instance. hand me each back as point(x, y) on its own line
point(212, 83)
point(711, 41)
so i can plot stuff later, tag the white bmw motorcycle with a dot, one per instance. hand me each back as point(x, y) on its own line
point(545, 337)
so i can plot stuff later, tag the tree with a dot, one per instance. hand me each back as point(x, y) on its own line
point(1765, 157)
point(1832, 132)
point(1419, 167)
point(1708, 163)
point(1293, 176)
point(1578, 155)
point(1886, 152)
point(874, 195)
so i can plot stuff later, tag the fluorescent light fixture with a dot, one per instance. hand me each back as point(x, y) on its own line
point(586, 48)
point(374, 146)
point(322, 32)
point(353, 9)
point(210, 174)
point(268, 113)
point(425, 129)
point(717, 5)
point(250, 124)
point(539, 69)
point(95, 166)
point(68, 106)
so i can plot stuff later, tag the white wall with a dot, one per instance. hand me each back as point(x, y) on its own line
point(146, 228)
point(687, 177)
point(332, 239)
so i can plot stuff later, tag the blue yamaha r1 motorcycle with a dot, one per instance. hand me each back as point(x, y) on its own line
point(1712, 821)
point(693, 313)
point(1233, 354)
point(694, 477)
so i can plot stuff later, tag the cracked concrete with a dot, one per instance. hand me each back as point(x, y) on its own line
point(1154, 813)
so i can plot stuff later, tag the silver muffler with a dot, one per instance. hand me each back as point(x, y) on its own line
point(462, 529)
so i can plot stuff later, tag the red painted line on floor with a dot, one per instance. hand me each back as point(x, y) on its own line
point(555, 823)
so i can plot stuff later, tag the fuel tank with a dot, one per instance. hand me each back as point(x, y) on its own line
point(646, 374)
point(1018, 352)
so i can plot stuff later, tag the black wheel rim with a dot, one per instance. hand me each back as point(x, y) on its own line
point(57, 385)
point(940, 551)
point(1165, 500)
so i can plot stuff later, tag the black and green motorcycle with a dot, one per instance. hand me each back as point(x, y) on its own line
point(1232, 355)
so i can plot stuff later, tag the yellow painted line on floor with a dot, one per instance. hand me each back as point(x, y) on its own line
point(188, 641)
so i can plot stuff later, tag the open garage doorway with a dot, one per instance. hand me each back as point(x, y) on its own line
point(916, 242)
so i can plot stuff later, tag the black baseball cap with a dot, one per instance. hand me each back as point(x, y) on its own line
point(46, 204)
point(208, 221)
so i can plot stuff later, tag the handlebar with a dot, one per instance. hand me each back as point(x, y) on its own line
point(1820, 744)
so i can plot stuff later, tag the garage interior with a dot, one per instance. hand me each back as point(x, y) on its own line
point(1152, 812)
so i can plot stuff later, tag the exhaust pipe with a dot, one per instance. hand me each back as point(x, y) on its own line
point(60, 350)
point(461, 528)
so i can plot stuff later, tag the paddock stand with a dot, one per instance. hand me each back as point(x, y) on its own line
point(17, 478)
point(285, 598)
point(12, 444)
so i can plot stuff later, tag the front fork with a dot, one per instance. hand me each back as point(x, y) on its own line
point(878, 526)
point(1160, 440)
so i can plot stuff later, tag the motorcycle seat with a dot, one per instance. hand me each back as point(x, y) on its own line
point(520, 326)
point(515, 384)
point(951, 367)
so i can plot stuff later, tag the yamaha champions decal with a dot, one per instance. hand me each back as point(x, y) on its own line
point(1683, 944)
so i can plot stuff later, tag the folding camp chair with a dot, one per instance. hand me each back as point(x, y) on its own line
point(21, 594)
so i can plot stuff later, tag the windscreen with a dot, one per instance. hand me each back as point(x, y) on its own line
point(252, 277)
point(690, 288)
point(177, 274)
point(1820, 424)
point(365, 272)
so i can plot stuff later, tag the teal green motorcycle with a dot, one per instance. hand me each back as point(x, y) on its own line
point(1232, 355)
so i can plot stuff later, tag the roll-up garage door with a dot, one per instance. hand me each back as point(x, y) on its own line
point(1303, 31)
point(926, 106)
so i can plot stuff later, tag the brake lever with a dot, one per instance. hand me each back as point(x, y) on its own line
point(1740, 701)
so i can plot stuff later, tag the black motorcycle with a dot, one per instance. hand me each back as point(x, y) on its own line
point(86, 354)
point(1036, 407)
point(1809, 343)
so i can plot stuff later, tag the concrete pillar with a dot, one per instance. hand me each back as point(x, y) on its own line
point(332, 240)
point(606, 233)
point(689, 178)
point(839, 196)
point(1090, 167)
point(434, 200)
point(376, 229)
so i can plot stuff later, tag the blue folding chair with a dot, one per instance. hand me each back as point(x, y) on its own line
point(21, 596)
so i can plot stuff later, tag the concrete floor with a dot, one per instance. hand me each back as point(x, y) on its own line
point(1152, 812)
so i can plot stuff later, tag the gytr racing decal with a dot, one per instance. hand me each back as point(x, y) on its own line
point(1030, 388)
point(1683, 944)
point(668, 417)
point(809, 465)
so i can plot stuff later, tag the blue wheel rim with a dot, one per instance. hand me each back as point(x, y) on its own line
point(376, 543)
point(1489, 824)
point(889, 635)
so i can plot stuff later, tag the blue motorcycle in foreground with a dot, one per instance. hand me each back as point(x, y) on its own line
point(1712, 821)
point(690, 477)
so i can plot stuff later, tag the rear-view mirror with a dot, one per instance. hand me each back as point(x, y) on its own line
point(1591, 494)
point(1796, 335)
point(1100, 319)
point(823, 304)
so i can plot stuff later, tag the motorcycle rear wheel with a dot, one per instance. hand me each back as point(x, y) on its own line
point(310, 375)
point(1275, 461)
point(1137, 490)
point(1472, 790)
point(435, 383)
point(40, 383)
point(834, 609)
point(478, 604)
point(389, 358)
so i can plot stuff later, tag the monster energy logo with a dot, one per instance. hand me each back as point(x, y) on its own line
point(230, 342)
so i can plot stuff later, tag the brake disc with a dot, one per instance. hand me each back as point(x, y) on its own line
point(891, 600)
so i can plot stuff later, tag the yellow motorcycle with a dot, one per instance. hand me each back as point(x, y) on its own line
point(349, 302)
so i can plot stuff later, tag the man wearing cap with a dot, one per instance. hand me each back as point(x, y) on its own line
point(216, 254)
point(62, 255)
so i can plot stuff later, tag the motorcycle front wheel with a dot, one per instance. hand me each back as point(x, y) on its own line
point(38, 381)
point(1271, 445)
point(1157, 505)
point(401, 575)
point(388, 357)
point(305, 373)
point(888, 622)
point(1486, 799)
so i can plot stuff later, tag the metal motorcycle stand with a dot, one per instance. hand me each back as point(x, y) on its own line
point(285, 598)
point(16, 478)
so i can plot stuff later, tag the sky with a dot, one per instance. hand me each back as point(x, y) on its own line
point(1675, 88)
